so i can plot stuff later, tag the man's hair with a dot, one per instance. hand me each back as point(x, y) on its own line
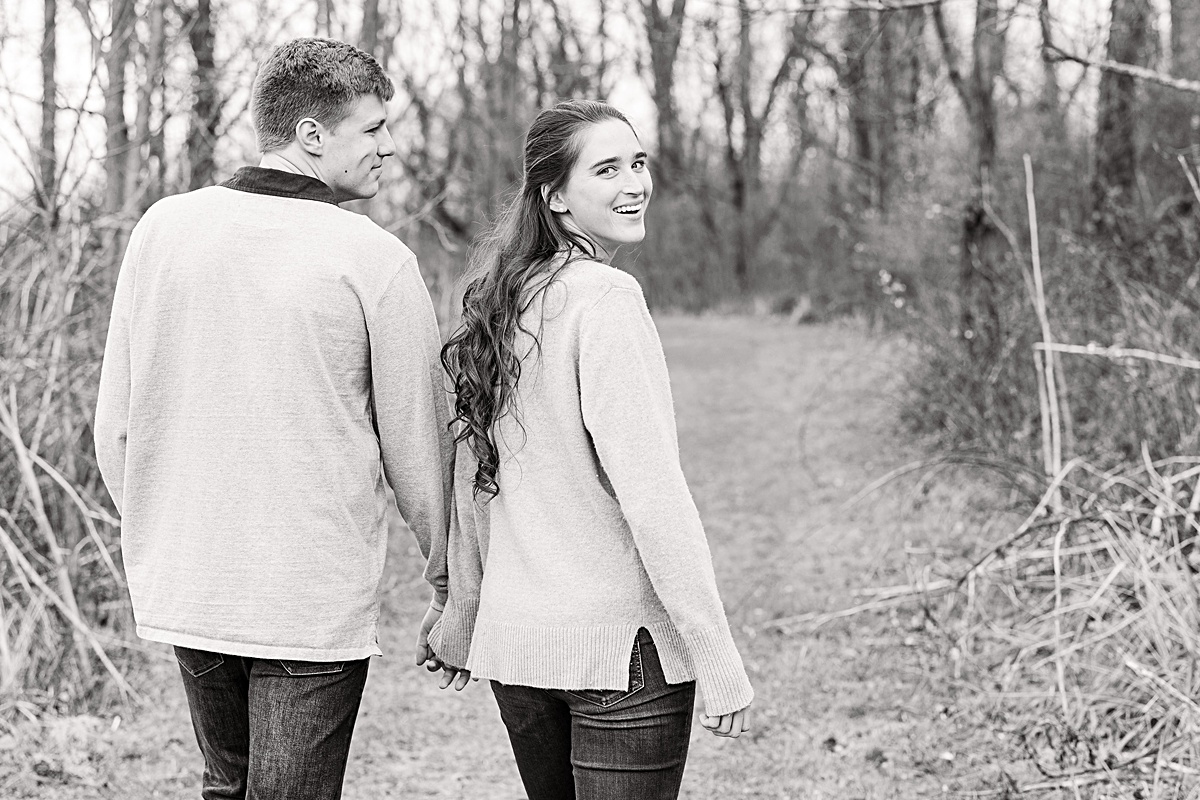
point(318, 78)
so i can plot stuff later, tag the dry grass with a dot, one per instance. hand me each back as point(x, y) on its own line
point(62, 597)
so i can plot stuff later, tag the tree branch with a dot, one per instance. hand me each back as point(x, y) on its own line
point(949, 53)
point(1140, 73)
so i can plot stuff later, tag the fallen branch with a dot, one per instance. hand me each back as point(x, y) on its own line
point(1115, 352)
point(1008, 469)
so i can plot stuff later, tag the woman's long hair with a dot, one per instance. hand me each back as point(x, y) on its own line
point(508, 267)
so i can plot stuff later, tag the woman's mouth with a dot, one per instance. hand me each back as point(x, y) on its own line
point(630, 209)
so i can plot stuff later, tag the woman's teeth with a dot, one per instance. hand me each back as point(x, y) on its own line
point(631, 209)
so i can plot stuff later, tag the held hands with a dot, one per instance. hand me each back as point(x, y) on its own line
point(730, 725)
point(426, 656)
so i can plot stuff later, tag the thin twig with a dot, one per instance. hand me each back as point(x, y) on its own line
point(1051, 424)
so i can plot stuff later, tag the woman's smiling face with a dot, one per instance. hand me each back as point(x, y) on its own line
point(606, 195)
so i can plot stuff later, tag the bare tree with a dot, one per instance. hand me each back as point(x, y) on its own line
point(1049, 103)
point(982, 245)
point(116, 60)
point(1115, 177)
point(664, 31)
point(206, 99)
point(858, 36)
point(47, 155)
point(368, 37)
point(141, 188)
point(745, 128)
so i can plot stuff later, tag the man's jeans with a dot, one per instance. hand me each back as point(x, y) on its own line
point(602, 745)
point(271, 729)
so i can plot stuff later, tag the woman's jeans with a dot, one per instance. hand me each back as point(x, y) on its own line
point(271, 729)
point(602, 745)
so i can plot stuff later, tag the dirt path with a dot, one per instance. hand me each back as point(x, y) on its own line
point(779, 425)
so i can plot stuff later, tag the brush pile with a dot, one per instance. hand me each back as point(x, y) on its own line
point(1092, 607)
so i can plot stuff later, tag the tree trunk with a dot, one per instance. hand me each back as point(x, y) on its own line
point(47, 154)
point(138, 181)
point(368, 38)
point(743, 154)
point(664, 30)
point(982, 251)
point(324, 18)
point(1185, 39)
point(206, 102)
point(856, 43)
point(982, 248)
point(1049, 105)
point(116, 157)
point(1115, 178)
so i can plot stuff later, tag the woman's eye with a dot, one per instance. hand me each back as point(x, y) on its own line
point(606, 171)
point(639, 165)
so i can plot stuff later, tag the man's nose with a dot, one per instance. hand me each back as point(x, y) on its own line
point(386, 146)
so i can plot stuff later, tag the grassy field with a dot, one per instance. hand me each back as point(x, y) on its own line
point(779, 426)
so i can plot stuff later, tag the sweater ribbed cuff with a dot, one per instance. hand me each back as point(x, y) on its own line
point(719, 671)
point(451, 635)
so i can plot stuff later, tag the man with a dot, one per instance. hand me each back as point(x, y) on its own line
point(271, 358)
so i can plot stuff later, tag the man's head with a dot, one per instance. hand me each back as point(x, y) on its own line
point(325, 100)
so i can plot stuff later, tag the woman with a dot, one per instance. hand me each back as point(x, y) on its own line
point(581, 582)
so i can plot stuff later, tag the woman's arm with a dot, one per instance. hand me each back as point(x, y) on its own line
point(450, 637)
point(626, 400)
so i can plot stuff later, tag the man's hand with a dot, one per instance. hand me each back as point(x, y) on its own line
point(730, 725)
point(425, 654)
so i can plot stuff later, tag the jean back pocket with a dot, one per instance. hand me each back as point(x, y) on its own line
point(198, 662)
point(301, 668)
point(610, 697)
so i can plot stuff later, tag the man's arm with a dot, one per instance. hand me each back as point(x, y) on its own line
point(112, 401)
point(412, 413)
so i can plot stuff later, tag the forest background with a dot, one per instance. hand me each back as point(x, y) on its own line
point(813, 159)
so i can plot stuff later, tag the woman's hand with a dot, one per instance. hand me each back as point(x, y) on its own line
point(730, 725)
point(456, 676)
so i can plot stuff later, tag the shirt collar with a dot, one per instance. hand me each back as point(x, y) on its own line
point(261, 180)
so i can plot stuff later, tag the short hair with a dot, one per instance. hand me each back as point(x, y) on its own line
point(318, 78)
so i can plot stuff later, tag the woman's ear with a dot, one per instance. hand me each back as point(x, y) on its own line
point(554, 200)
point(310, 135)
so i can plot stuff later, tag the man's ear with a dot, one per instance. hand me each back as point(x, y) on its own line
point(554, 200)
point(311, 136)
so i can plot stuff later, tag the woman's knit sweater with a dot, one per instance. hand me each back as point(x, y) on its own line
point(594, 533)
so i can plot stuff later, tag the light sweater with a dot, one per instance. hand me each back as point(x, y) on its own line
point(594, 533)
point(270, 359)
